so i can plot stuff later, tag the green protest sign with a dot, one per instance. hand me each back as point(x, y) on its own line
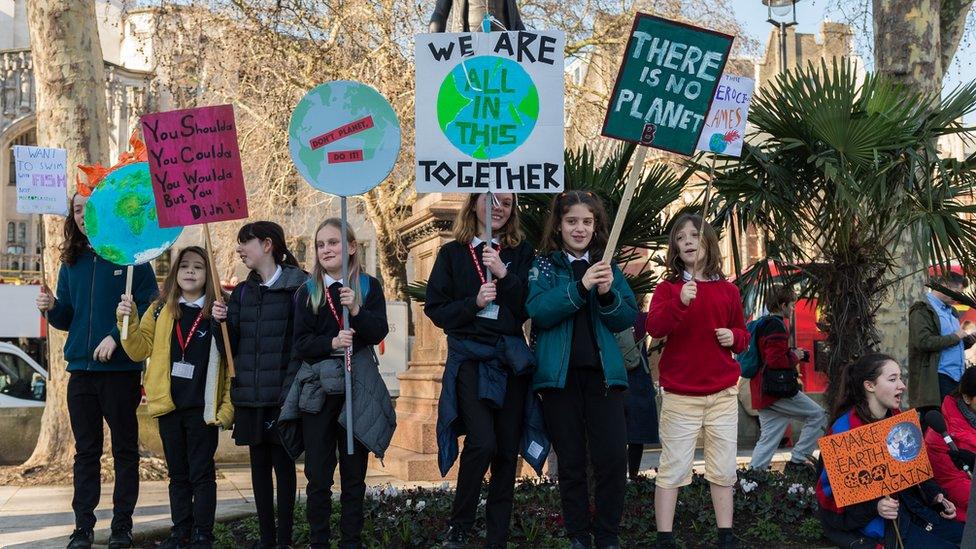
point(666, 84)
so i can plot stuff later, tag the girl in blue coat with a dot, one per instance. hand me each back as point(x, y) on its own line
point(577, 302)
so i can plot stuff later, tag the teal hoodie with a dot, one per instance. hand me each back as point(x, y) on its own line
point(552, 302)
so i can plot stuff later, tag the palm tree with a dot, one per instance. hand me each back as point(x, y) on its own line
point(841, 170)
point(646, 224)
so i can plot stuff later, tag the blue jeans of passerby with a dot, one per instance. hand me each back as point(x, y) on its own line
point(773, 421)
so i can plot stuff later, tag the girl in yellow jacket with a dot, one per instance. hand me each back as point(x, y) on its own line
point(188, 387)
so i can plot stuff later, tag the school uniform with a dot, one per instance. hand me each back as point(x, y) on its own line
point(323, 435)
point(188, 388)
point(492, 433)
point(581, 379)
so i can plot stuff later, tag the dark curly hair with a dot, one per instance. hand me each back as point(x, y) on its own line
point(75, 242)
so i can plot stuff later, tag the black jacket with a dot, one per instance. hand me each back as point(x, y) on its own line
point(260, 321)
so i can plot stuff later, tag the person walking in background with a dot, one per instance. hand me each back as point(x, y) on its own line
point(577, 303)
point(936, 346)
point(776, 411)
point(104, 384)
point(260, 318)
point(700, 313)
point(188, 389)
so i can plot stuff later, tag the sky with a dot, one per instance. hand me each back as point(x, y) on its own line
point(810, 13)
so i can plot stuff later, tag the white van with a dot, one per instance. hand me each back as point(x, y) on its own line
point(23, 382)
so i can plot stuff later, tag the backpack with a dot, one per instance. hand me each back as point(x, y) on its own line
point(751, 360)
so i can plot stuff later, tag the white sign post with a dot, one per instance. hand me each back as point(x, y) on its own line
point(42, 180)
point(489, 112)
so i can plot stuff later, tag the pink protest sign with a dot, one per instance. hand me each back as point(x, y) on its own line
point(195, 165)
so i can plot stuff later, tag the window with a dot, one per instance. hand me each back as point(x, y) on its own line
point(19, 380)
point(11, 229)
point(27, 138)
point(15, 266)
point(22, 232)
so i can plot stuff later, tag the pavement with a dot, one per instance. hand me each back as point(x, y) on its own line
point(40, 517)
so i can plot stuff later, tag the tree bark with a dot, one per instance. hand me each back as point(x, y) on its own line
point(914, 43)
point(71, 114)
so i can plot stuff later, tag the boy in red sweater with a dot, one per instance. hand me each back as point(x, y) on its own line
point(775, 412)
point(701, 315)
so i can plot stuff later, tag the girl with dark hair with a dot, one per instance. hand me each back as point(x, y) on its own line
point(701, 315)
point(577, 303)
point(188, 389)
point(104, 382)
point(260, 319)
point(959, 411)
point(871, 390)
point(481, 319)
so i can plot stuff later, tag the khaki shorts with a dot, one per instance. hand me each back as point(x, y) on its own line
point(683, 418)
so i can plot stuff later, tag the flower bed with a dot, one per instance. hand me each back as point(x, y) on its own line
point(771, 510)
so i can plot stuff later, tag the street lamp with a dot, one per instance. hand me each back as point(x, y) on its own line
point(782, 15)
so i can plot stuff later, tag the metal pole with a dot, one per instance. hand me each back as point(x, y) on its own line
point(345, 325)
point(782, 47)
point(489, 206)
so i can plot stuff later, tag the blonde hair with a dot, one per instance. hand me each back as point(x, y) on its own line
point(467, 226)
point(317, 294)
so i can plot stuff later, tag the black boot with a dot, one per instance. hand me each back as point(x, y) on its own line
point(81, 538)
point(120, 539)
point(665, 540)
point(456, 538)
point(726, 539)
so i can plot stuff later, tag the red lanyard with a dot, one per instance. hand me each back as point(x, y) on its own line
point(477, 264)
point(335, 313)
point(179, 333)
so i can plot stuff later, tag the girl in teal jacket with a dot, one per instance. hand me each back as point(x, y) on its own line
point(577, 303)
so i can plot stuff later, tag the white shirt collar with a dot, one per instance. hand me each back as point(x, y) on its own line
point(274, 277)
point(329, 281)
point(478, 242)
point(199, 303)
point(584, 257)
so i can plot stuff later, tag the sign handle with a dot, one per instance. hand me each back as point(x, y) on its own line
point(489, 206)
point(705, 208)
point(901, 544)
point(219, 297)
point(618, 221)
point(128, 292)
point(345, 323)
point(42, 237)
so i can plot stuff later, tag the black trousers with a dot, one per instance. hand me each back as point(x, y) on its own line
point(586, 414)
point(492, 442)
point(114, 398)
point(189, 445)
point(324, 439)
point(265, 458)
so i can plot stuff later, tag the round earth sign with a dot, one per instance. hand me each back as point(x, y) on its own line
point(344, 137)
point(121, 221)
point(487, 106)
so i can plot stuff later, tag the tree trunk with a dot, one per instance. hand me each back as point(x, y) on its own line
point(914, 43)
point(71, 114)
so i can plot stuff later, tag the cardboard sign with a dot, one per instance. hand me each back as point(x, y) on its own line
point(876, 460)
point(344, 137)
point(666, 84)
point(489, 112)
point(196, 165)
point(42, 180)
point(725, 125)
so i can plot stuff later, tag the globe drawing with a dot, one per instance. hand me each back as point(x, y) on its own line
point(904, 441)
point(487, 106)
point(121, 221)
point(344, 137)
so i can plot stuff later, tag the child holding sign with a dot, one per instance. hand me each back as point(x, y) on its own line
point(577, 303)
point(320, 342)
point(481, 319)
point(701, 315)
point(104, 382)
point(260, 315)
point(188, 389)
point(871, 390)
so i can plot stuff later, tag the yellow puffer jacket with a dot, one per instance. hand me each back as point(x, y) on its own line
point(152, 338)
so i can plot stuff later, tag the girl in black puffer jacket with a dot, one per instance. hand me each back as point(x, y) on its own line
point(259, 317)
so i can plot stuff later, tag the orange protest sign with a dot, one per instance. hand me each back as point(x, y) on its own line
point(877, 459)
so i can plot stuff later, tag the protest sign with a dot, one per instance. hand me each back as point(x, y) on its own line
point(666, 84)
point(42, 180)
point(196, 165)
point(344, 137)
point(489, 112)
point(725, 125)
point(875, 460)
